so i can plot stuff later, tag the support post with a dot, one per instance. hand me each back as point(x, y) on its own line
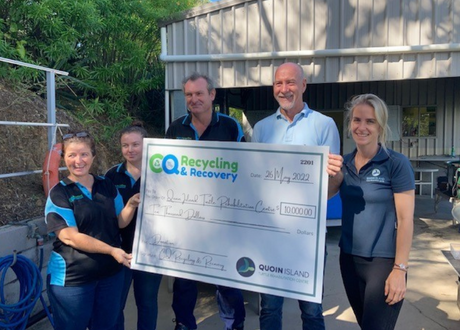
point(51, 107)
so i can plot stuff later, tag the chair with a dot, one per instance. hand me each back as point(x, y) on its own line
point(447, 186)
point(443, 191)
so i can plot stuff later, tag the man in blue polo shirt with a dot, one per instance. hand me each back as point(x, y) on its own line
point(202, 123)
point(295, 123)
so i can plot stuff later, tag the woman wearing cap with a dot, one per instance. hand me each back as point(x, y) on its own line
point(378, 198)
point(84, 271)
point(127, 178)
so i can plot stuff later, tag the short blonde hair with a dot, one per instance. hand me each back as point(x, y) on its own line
point(381, 113)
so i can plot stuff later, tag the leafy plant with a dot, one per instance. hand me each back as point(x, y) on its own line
point(109, 47)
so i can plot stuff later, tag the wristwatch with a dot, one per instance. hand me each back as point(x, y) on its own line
point(401, 266)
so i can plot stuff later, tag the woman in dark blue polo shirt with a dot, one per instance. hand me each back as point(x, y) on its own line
point(377, 220)
point(127, 178)
point(84, 271)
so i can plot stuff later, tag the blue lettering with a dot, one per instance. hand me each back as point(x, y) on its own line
point(209, 174)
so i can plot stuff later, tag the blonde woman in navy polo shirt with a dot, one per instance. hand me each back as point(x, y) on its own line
point(84, 271)
point(377, 220)
point(127, 178)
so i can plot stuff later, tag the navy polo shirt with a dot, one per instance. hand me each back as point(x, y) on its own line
point(95, 214)
point(368, 207)
point(221, 128)
point(127, 187)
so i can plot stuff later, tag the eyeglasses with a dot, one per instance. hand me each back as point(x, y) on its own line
point(77, 135)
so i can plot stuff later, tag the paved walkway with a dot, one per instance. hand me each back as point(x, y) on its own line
point(430, 304)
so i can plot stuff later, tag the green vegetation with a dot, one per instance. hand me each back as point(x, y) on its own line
point(237, 114)
point(109, 47)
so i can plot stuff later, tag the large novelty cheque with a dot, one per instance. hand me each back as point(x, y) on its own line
point(244, 215)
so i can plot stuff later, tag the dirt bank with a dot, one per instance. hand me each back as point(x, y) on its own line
point(22, 148)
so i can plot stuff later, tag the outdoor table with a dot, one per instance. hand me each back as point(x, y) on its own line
point(420, 182)
point(438, 161)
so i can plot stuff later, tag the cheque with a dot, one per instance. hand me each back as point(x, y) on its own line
point(243, 215)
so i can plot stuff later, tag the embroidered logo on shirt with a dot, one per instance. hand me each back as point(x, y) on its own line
point(375, 172)
point(74, 198)
point(375, 176)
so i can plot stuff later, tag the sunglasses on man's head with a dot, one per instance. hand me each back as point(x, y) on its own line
point(77, 135)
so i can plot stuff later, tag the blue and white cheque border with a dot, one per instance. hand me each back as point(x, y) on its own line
point(245, 215)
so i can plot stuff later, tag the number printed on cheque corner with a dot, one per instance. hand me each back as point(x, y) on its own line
point(306, 162)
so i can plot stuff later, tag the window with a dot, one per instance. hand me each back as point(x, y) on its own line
point(419, 122)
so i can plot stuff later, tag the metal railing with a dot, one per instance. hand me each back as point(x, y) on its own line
point(50, 105)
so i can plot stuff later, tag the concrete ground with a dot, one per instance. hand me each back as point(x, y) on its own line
point(430, 304)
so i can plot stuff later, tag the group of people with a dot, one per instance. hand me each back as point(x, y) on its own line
point(93, 217)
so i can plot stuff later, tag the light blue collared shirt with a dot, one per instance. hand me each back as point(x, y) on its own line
point(309, 128)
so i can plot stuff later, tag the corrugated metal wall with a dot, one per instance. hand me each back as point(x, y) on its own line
point(444, 93)
point(236, 27)
point(241, 27)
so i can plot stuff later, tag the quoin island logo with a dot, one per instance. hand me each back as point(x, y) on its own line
point(245, 267)
point(214, 168)
point(375, 176)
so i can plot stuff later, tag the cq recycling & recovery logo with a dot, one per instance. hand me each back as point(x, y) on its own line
point(215, 168)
